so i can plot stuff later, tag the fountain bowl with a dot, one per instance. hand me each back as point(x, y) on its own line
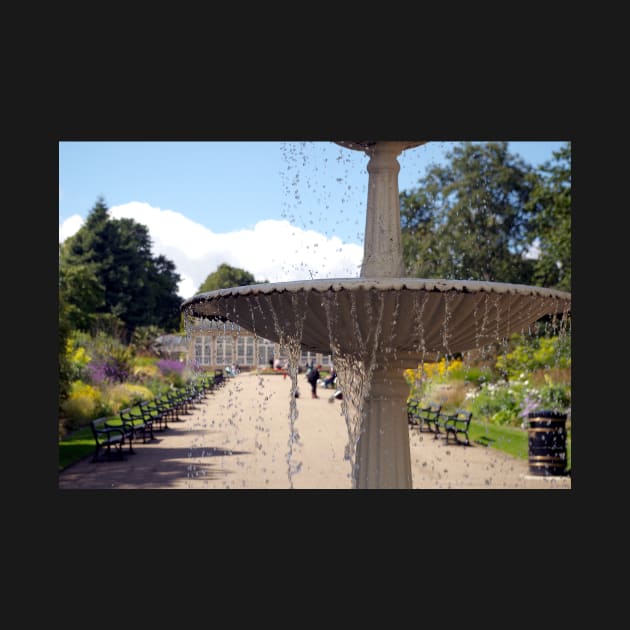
point(410, 315)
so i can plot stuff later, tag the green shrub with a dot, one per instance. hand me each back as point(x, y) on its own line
point(555, 396)
point(534, 353)
point(82, 405)
point(158, 386)
point(143, 361)
point(143, 337)
point(472, 375)
point(120, 396)
point(451, 396)
point(77, 354)
point(499, 403)
point(144, 372)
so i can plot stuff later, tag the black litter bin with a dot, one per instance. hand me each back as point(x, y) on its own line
point(547, 439)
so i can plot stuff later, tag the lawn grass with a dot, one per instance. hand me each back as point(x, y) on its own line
point(75, 447)
point(509, 440)
point(79, 444)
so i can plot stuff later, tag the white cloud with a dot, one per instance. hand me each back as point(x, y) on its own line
point(69, 227)
point(272, 250)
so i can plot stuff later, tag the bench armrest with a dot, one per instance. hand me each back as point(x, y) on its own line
point(107, 431)
point(459, 418)
point(131, 418)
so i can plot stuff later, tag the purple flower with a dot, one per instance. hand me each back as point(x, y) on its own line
point(103, 371)
point(96, 372)
point(170, 366)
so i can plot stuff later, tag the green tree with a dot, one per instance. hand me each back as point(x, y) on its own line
point(469, 219)
point(82, 293)
point(107, 270)
point(550, 201)
point(165, 300)
point(226, 277)
point(143, 338)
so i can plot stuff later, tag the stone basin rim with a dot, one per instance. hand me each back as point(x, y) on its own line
point(381, 284)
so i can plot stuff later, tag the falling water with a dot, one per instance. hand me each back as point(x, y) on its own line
point(292, 348)
point(289, 335)
point(317, 192)
point(355, 387)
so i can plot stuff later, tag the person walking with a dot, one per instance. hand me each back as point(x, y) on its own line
point(313, 377)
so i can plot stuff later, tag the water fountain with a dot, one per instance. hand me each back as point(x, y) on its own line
point(377, 325)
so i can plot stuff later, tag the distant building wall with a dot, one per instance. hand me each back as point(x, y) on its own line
point(214, 344)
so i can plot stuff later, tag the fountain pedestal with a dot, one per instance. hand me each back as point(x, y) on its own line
point(383, 454)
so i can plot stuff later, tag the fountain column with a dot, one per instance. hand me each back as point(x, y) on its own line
point(383, 453)
point(382, 254)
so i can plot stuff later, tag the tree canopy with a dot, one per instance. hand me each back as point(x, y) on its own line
point(551, 202)
point(476, 218)
point(107, 269)
point(226, 277)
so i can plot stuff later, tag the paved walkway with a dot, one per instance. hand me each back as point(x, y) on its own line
point(239, 438)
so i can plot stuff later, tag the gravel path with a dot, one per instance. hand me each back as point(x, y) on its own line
point(239, 438)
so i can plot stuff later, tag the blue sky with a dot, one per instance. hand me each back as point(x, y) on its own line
point(274, 206)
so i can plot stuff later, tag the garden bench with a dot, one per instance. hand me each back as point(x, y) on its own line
point(156, 412)
point(176, 404)
point(219, 379)
point(455, 423)
point(419, 416)
point(413, 412)
point(169, 408)
point(208, 383)
point(195, 393)
point(136, 423)
point(180, 402)
point(106, 437)
point(189, 395)
point(430, 415)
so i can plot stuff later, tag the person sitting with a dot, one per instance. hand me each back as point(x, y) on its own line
point(330, 381)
